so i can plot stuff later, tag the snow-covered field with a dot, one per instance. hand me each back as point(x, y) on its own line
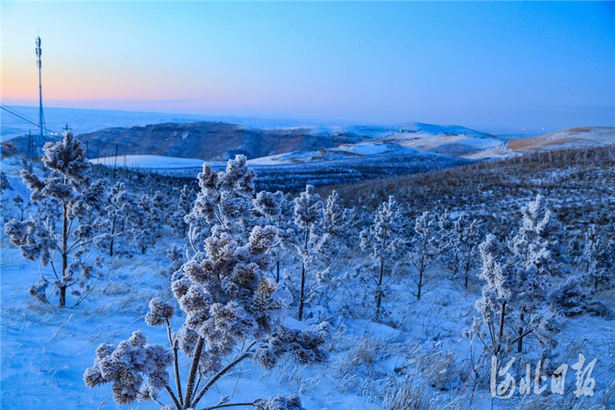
point(417, 355)
point(151, 162)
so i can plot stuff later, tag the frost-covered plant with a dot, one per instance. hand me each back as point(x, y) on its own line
point(68, 185)
point(458, 240)
point(116, 210)
point(309, 213)
point(184, 206)
point(231, 308)
point(275, 210)
point(423, 249)
point(493, 305)
point(597, 258)
point(534, 251)
point(176, 255)
point(4, 182)
point(136, 369)
point(337, 222)
point(21, 205)
point(385, 239)
point(568, 299)
point(158, 213)
point(333, 246)
point(140, 221)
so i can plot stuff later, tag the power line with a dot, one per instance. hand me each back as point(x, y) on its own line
point(25, 119)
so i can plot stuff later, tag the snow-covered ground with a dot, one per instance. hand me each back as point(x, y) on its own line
point(347, 152)
point(420, 344)
point(150, 162)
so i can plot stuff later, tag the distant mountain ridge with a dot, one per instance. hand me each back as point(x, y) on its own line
point(219, 141)
point(215, 141)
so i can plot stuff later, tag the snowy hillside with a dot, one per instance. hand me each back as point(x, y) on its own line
point(347, 152)
point(400, 294)
point(290, 172)
point(151, 162)
point(571, 138)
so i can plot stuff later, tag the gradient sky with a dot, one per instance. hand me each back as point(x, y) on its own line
point(495, 66)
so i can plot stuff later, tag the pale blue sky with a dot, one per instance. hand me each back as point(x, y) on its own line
point(492, 66)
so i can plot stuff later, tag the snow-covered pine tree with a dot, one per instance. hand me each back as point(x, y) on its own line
point(494, 304)
point(4, 182)
point(309, 215)
point(271, 206)
point(140, 224)
point(21, 205)
point(533, 250)
point(333, 244)
point(116, 210)
point(176, 255)
point(233, 312)
point(69, 186)
point(157, 213)
point(423, 249)
point(184, 206)
point(596, 260)
point(385, 239)
point(457, 242)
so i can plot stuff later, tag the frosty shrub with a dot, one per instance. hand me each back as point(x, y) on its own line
point(496, 296)
point(597, 259)
point(309, 213)
point(273, 208)
point(534, 250)
point(458, 240)
point(140, 220)
point(60, 240)
point(423, 249)
point(517, 282)
point(184, 205)
point(332, 248)
point(21, 205)
point(4, 182)
point(385, 239)
point(232, 311)
point(117, 209)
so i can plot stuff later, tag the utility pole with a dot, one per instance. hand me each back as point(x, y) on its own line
point(41, 116)
point(115, 162)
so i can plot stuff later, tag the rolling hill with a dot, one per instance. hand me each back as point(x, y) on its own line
point(580, 137)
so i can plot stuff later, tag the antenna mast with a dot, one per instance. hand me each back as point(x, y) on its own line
point(41, 116)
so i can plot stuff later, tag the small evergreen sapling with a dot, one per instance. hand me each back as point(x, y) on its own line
point(233, 312)
point(534, 249)
point(69, 186)
point(386, 241)
point(184, 206)
point(277, 210)
point(597, 258)
point(423, 249)
point(458, 240)
point(116, 210)
point(21, 205)
point(493, 305)
point(309, 213)
point(141, 224)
